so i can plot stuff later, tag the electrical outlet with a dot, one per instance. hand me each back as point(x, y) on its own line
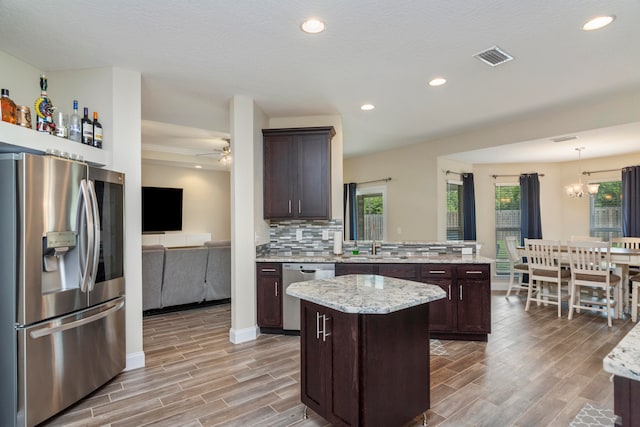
point(325, 234)
point(299, 234)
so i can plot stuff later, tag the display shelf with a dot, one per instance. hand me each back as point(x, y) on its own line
point(14, 138)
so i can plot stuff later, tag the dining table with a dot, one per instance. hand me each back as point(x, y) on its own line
point(621, 259)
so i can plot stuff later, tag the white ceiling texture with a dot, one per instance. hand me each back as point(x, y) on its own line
point(196, 55)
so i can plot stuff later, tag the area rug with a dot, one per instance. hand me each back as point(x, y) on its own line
point(591, 416)
point(437, 348)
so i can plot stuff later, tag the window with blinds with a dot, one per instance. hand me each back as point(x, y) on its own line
point(507, 203)
point(605, 211)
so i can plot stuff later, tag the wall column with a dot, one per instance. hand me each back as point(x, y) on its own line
point(243, 250)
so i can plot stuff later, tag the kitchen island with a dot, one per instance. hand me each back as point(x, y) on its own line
point(365, 348)
point(624, 363)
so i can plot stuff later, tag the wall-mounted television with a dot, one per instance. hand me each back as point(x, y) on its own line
point(161, 209)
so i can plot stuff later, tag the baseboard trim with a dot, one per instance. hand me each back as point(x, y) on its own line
point(135, 360)
point(237, 336)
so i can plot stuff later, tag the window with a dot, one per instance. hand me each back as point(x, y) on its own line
point(605, 211)
point(455, 230)
point(371, 222)
point(507, 222)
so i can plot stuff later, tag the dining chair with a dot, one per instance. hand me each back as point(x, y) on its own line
point(516, 265)
point(543, 260)
point(635, 284)
point(590, 264)
point(585, 239)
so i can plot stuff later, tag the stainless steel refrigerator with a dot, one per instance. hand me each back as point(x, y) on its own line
point(62, 324)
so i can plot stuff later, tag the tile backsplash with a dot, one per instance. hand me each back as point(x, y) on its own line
point(315, 238)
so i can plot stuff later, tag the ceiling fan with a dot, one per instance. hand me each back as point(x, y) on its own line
point(223, 153)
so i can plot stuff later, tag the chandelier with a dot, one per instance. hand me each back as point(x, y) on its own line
point(578, 190)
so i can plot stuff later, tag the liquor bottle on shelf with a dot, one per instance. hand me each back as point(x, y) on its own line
point(75, 127)
point(97, 131)
point(44, 109)
point(8, 108)
point(87, 128)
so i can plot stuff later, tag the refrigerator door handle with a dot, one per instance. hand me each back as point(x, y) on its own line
point(87, 255)
point(96, 234)
point(39, 333)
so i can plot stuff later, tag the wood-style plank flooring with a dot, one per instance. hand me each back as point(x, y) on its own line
point(536, 370)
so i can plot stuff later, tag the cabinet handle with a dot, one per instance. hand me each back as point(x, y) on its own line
point(325, 334)
point(436, 271)
point(299, 206)
point(317, 325)
point(449, 292)
point(460, 288)
point(268, 270)
point(289, 205)
point(473, 272)
point(275, 285)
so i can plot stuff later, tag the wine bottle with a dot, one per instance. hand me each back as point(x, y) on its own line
point(8, 108)
point(75, 128)
point(97, 131)
point(44, 109)
point(87, 128)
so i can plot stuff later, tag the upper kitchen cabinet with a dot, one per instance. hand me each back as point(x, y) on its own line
point(297, 173)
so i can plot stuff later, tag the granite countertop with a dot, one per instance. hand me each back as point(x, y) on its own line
point(624, 359)
point(380, 259)
point(366, 293)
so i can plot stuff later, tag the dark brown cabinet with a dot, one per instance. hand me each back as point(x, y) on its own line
point(297, 173)
point(405, 271)
point(269, 295)
point(351, 372)
point(466, 311)
point(626, 394)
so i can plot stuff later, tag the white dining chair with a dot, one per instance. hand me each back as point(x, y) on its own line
point(590, 264)
point(545, 270)
point(585, 239)
point(516, 265)
point(635, 284)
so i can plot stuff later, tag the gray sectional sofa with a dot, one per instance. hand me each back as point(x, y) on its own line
point(177, 276)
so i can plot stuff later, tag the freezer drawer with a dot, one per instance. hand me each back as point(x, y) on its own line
point(65, 359)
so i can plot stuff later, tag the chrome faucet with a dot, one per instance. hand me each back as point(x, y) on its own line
point(375, 247)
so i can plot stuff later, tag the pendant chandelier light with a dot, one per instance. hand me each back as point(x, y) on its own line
point(578, 190)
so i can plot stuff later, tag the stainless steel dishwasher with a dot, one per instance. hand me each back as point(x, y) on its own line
point(292, 273)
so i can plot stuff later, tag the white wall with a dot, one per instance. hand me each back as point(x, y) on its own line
point(206, 206)
point(22, 80)
point(336, 151)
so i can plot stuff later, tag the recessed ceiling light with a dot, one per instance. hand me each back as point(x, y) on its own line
point(198, 167)
point(367, 107)
point(438, 81)
point(312, 26)
point(598, 22)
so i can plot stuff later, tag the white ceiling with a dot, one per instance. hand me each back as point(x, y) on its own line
point(195, 56)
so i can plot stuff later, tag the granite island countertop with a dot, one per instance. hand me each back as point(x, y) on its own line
point(366, 293)
point(379, 259)
point(624, 359)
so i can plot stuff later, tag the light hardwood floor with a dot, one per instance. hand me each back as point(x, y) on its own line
point(536, 370)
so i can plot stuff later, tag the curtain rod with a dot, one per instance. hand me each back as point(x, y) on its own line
point(375, 180)
point(500, 176)
point(447, 172)
point(600, 171)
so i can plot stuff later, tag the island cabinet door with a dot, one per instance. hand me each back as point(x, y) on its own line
point(474, 299)
point(329, 363)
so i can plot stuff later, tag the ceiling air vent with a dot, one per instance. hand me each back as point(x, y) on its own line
point(493, 56)
point(564, 138)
